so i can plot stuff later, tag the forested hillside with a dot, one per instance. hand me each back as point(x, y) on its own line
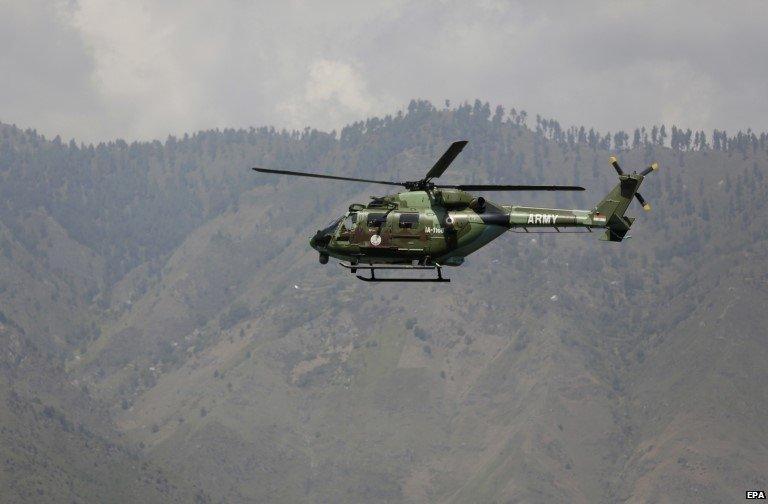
point(161, 309)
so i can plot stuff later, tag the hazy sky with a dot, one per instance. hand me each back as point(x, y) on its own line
point(98, 69)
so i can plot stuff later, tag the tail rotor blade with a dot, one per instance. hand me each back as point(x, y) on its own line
point(615, 164)
point(653, 167)
point(645, 204)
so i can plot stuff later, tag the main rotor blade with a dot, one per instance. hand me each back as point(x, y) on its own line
point(322, 176)
point(446, 159)
point(491, 187)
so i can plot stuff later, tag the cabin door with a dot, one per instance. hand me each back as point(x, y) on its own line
point(408, 233)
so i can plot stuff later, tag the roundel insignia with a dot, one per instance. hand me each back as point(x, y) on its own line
point(375, 240)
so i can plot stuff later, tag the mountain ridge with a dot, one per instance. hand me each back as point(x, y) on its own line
point(552, 367)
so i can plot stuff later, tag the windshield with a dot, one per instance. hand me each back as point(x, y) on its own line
point(334, 222)
point(351, 221)
point(331, 227)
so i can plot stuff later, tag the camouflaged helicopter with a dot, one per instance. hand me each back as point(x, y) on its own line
point(430, 225)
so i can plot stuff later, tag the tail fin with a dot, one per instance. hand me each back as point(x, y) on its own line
point(612, 207)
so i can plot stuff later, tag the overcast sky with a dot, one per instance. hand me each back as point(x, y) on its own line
point(140, 69)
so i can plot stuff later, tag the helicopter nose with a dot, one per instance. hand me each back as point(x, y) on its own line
point(319, 241)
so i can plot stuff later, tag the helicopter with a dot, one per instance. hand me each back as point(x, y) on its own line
point(429, 226)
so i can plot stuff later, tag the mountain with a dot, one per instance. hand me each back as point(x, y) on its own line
point(173, 292)
point(57, 444)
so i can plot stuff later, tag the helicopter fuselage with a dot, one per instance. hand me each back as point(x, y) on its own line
point(439, 226)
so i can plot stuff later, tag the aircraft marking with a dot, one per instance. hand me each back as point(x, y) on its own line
point(542, 218)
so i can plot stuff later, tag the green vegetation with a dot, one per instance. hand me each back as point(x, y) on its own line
point(163, 317)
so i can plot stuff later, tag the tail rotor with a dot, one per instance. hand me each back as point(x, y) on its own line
point(615, 164)
point(641, 200)
point(651, 168)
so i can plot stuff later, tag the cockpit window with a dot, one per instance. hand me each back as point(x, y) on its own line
point(409, 220)
point(331, 227)
point(376, 219)
point(351, 221)
point(334, 223)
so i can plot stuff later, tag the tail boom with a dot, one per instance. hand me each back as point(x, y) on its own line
point(533, 217)
point(608, 214)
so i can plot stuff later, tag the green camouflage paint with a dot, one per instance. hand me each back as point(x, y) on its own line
point(443, 226)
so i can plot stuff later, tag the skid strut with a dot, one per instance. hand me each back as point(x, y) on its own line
point(354, 267)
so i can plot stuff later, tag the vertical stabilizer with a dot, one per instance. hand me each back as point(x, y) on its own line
point(615, 204)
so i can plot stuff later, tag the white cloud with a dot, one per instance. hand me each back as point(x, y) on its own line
point(335, 93)
point(142, 69)
point(96, 69)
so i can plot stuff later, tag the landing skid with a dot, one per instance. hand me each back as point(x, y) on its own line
point(354, 267)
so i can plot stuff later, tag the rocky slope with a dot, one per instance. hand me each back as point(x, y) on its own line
point(554, 368)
